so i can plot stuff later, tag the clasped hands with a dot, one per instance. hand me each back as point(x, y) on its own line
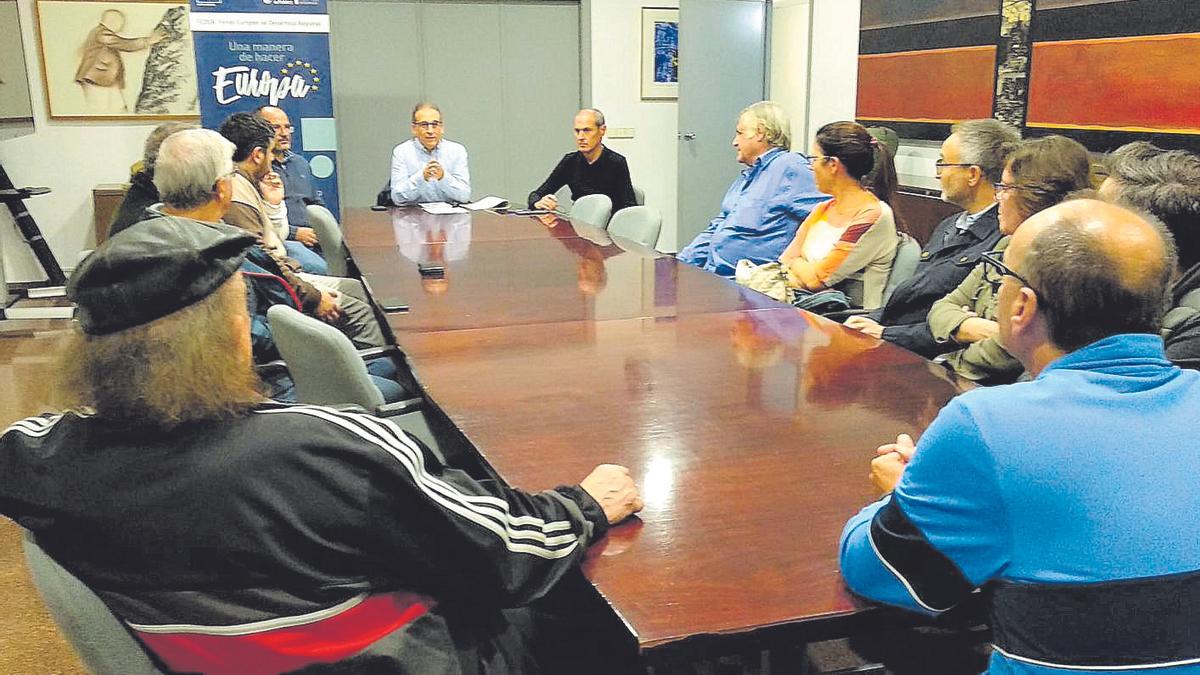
point(890, 461)
point(433, 171)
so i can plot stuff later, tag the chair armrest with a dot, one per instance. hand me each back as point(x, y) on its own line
point(350, 408)
point(846, 314)
point(276, 366)
point(372, 352)
point(400, 407)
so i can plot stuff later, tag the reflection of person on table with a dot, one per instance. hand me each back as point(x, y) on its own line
point(592, 271)
point(101, 72)
point(429, 239)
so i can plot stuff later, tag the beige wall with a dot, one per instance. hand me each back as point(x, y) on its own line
point(612, 54)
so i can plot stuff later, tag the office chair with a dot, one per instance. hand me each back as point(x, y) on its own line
point(329, 234)
point(328, 370)
point(904, 265)
point(639, 223)
point(592, 209)
point(908, 254)
point(102, 642)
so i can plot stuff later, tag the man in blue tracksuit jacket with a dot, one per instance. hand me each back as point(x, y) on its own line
point(1070, 498)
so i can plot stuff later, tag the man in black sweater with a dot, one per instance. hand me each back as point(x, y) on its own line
point(594, 169)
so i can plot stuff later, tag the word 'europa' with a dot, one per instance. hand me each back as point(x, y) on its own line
point(247, 81)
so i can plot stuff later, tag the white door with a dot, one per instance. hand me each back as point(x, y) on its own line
point(722, 65)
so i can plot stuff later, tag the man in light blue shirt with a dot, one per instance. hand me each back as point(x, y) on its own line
point(428, 168)
point(766, 204)
point(1070, 497)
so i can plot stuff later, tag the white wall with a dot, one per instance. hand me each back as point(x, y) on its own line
point(826, 89)
point(790, 27)
point(493, 96)
point(70, 158)
point(833, 85)
point(816, 80)
point(611, 82)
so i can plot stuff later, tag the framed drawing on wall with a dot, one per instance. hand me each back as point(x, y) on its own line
point(117, 60)
point(660, 53)
point(14, 79)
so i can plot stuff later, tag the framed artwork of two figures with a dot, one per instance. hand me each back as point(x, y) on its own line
point(117, 60)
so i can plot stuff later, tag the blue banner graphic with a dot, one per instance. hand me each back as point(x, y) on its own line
point(251, 53)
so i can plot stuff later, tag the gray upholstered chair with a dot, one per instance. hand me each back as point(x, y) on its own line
point(592, 209)
point(324, 364)
point(102, 642)
point(329, 233)
point(327, 370)
point(639, 223)
point(639, 196)
point(908, 254)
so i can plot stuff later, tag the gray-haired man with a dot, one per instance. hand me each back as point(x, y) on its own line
point(971, 160)
point(766, 204)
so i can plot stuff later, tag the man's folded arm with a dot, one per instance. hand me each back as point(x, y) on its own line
point(934, 540)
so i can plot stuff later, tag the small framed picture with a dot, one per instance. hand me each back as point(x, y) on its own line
point(117, 60)
point(14, 81)
point(660, 53)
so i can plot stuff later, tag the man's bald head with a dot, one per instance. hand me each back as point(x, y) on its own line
point(1098, 270)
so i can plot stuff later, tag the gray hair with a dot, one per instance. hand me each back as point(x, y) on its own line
point(1166, 184)
point(986, 143)
point(425, 105)
point(1085, 292)
point(189, 164)
point(773, 122)
point(155, 139)
point(596, 114)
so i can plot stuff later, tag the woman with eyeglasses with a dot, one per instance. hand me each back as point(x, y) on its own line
point(1041, 173)
point(847, 243)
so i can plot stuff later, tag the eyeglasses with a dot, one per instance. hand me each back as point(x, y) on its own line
point(994, 271)
point(813, 158)
point(283, 127)
point(222, 177)
point(428, 125)
point(1001, 188)
point(939, 165)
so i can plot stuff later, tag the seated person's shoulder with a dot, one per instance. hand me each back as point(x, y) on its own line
point(614, 156)
point(330, 430)
point(871, 212)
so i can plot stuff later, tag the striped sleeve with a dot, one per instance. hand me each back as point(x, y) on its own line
point(454, 536)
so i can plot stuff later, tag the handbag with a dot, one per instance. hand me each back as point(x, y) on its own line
point(770, 279)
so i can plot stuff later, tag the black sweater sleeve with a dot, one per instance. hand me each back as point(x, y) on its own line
point(557, 179)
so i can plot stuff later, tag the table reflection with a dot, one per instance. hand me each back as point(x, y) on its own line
point(428, 239)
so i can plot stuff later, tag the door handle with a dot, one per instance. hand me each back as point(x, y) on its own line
point(688, 136)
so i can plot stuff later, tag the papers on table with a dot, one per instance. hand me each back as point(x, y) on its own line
point(488, 202)
point(441, 208)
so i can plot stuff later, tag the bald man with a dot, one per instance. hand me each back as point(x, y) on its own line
point(1073, 495)
point(591, 169)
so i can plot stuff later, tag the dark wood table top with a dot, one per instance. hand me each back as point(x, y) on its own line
point(409, 226)
point(749, 433)
point(748, 424)
point(498, 283)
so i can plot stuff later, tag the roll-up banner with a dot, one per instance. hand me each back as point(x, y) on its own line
point(251, 53)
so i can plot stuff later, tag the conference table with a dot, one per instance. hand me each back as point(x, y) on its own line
point(748, 424)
